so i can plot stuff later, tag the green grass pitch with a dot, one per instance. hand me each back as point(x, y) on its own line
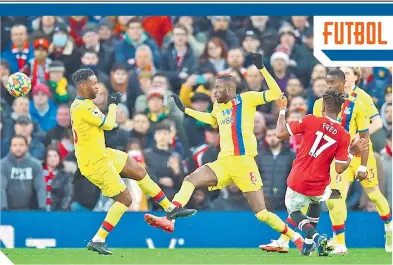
point(190, 256)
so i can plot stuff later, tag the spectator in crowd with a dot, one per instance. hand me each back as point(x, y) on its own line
point(298, 104)
point(301, 61)
point(58, 182)
point(179, 61)
point(221, 30)
point(76, 24)
point(317, 90)
point(199, 102)
point(135, 36)
point(22, 181)
point(62, 90)
point(42, 109)
point(121, 81)
point(24, 126)
point(308, 39)
point(294, 88)
point(63, 49)
point(5, 72)
point(145, 81)
point(63, 126)
point(38, 66)
point(300, 25)
point(195, 84)
point(259, 127)
point(141, 130)
point(90, 60)
point(386, 160)
point(374, 81)
point(156, 109)
point(235, 201)
point(196, 38)
point(123, 117)
point(158, 27)
point(279, 62)
point(174, 141)
point(235, 61)
point(319, 71)
point(19, 51)
point(91, 41)
point(45, 26)
point(162, 163)
point(199, 201)
point(106, 38)
point(387, 117)
point(101, 99)
point(6, 128)
point(250, 44)
point(274, 162)
point(121, 25)
point(214, 56)
point(258, 24)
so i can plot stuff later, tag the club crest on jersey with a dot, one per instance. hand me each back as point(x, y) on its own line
point(236, 101)
point(253, 178)
point(96, 112)
point(347, 111)
point(338, 178)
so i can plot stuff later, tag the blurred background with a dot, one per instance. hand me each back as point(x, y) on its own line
point(146, 59)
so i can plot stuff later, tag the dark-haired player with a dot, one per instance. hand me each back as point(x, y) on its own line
point(104, 166)
point(324, 140)
point(234, 115)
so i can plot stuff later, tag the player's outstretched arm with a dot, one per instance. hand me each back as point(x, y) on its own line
point(274, 91)
point(204, 117)
point(281, 130)
point(110, 120)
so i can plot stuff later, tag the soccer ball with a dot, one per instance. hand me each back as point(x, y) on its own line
point(18, 84)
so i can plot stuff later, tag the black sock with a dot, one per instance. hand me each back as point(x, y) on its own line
point(313, 213)
point(303, 224)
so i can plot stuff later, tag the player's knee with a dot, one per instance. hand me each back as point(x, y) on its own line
point(139, 172)
point(192, 178)
point(263, 215)
point(127, 199)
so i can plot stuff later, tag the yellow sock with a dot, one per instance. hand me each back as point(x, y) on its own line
point(112, 218)
point(382, 206)
point(153, 190)
point(275, 222)
point(338, 215)
point(285, 238)
point(183, 196)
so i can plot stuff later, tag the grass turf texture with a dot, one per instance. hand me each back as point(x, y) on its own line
point(190, 256)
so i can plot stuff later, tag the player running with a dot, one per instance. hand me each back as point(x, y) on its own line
point(324, 140)
point(234, 115)
point(103, 166)
point(354, 120)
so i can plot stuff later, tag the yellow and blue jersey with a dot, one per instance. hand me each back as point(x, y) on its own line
point(366, 99)
point(235, 121)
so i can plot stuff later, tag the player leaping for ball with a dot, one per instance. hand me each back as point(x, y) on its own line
point(234, 115)
point(103, 166)
point(324, 140)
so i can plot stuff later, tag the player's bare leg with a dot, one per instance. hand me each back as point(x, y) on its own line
point(135, 171)
point(122, 203)
point(375, 195)
point(256, 200)
point(200, 178)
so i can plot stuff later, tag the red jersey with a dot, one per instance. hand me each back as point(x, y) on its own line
point(324, 139)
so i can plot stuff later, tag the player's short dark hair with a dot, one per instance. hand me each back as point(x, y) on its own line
point(118, 66)
point(227, 77)
point(333, 101)
point(162, 126)
point(82, 75)
point(134, 20)
point(91, 51)
point(337, 73)
point(18, 136)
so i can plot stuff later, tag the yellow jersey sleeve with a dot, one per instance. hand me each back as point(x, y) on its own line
point(96, 118)
point(253, 98)
point(204, 117)
point(372, 110)
point(317, 110)
point(361, 118)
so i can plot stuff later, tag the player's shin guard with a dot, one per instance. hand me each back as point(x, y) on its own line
point(183, 196)
point(112, 218)
point(313, 213)
point(382, 207)
point(153, 190)
point(275, 222)
point(338, 214)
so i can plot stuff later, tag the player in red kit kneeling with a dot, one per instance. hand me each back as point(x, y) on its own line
point(324, 140)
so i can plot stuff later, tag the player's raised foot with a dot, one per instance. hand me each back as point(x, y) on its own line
point(179, 213)
point(308, 249)
point(99, 247)
point(388, 241)
point(322, 246)
point(339, 250)
point(160, 222)
point(299, 242)
point(275, 246)
point(331, 244)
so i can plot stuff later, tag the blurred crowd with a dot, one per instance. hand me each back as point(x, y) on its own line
point(147, 59)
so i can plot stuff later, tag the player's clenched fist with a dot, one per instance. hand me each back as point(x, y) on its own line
point(114, 98)
point(178, 102)
point(257, 60)
point(282, 102)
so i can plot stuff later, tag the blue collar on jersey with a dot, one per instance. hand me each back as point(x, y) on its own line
point(80, 98)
